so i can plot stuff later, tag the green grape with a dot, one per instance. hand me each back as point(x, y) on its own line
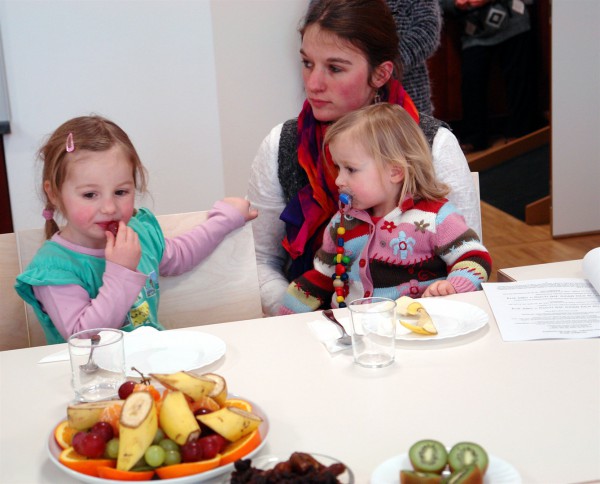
point(168, 444)
point(160, 434)
point(154, 455)
point(112, 448)
point(172, 457)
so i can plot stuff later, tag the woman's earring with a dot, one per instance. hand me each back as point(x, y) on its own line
point(377, 98)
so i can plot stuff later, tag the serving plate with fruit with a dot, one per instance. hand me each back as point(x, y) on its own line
point(430, 462)
point(180, 427)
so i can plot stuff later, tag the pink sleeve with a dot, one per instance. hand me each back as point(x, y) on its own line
point(186, 251)
point(71, 309)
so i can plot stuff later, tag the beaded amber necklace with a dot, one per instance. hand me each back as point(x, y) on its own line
point(340, 276)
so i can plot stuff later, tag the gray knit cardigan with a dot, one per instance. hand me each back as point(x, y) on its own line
point(419, 23)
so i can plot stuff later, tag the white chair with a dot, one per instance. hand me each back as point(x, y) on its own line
point(223, 287)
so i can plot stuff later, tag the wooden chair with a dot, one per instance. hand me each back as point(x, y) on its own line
point(223, 287)
point(13, 322)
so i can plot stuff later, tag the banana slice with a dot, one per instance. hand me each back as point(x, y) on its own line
point(409, 307)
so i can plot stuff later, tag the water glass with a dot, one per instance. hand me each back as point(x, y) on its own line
point(374, 331)
point(97, 363)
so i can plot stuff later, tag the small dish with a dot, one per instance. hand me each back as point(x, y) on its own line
point(268, 461)
point(498, 472)
point(171, 351)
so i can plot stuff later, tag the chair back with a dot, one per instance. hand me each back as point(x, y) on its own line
point(13, 322)
point(223, 287)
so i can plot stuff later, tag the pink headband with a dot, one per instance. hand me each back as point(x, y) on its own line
point(48, 213)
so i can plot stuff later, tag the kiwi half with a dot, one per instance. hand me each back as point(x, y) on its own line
point(467, 475)
point(467, 453)
point(428, 456)
point(416, 477)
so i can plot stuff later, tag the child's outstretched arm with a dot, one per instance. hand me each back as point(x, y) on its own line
point(184, 252)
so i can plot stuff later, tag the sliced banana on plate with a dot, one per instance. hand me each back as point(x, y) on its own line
point(407, 306)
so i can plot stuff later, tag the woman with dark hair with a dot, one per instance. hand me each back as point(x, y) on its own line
point(350, 59)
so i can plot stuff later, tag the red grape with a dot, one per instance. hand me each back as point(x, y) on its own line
point(191, 451)
point(78, 438)
point(113, 227)
point(126, 389)
point(90, 445)
point(211, 445)
point(104, 430)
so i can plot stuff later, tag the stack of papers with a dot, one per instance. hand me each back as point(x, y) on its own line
point(549, 308)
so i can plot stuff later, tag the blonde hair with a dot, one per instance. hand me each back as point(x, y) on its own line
point(391, 136)
point(92, 133)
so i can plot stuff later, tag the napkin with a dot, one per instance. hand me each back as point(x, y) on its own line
point(134, 340)
point(327, 333)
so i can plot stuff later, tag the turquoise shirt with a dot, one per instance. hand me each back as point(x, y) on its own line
point(55, 265)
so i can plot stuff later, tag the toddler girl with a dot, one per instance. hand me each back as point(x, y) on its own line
point(101, 268)
point(399, 236)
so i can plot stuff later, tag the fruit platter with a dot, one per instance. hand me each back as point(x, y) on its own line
point(179, 427)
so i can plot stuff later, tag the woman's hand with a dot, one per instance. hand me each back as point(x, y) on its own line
point(124, 248)
point(243, 206)
point(439, 288)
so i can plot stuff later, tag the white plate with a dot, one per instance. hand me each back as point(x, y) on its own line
point(451, 319)
point(498, 471)
point(170, 351)
point(268, 461)
point(54, 451)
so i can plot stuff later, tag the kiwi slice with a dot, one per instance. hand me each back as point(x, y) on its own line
point(467, 453)
point(428, 456)
point(470, 474)
point(416, 477)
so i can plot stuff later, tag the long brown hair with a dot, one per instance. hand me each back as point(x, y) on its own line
point(391, 136)
point(366, 24)
point(92, 133)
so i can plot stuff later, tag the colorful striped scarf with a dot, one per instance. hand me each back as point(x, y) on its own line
point(307, 214)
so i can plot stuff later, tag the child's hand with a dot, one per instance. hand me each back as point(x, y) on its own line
point(439, 288)
point(243, 206)
point(124, 248)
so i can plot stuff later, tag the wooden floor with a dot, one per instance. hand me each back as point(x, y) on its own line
point(513, 243)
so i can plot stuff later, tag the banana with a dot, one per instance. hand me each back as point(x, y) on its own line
point(137, 428)
point(219, 392)
point(231, 422)
point(83, 416)
point(194, 386)
point(407, 306)
point(177, 420)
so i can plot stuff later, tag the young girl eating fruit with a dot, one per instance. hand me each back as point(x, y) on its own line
point(101, 268)
point(395, 233)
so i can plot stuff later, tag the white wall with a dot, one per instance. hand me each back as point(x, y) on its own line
point(192, 82)
point(575, 116)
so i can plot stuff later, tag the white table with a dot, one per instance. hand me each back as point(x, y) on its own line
point(533, 404)
point(570, 268)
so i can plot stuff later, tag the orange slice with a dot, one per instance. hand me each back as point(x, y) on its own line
point(63, 434)
point(79, 463)
point(205, 402)
point(117, 475)
point(240, 448)
point(112, 414)
point(187, 468)
point(236, 402)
